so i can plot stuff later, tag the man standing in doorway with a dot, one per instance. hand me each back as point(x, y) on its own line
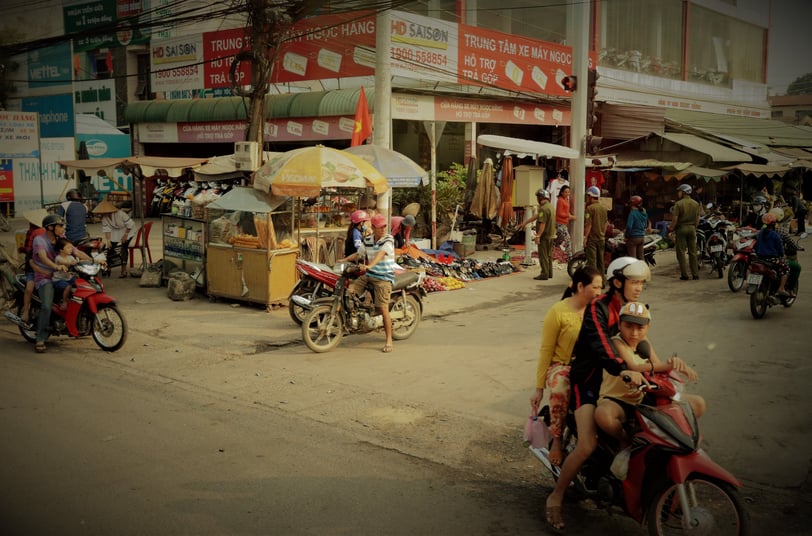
point(545, 234)
point(595, 221)
point(684, 220)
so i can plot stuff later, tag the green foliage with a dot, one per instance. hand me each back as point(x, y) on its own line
point(450, 193)
point(801, 85)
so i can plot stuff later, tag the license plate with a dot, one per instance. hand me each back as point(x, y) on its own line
point(754, 279)
point(716, 249)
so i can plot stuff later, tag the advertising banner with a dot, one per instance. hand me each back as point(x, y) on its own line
point(177, 63)
point(328, 46)
point(219, 48)
point(6, 180)
point(50, 67)
point(56, 119)
point(80, 17)
point(437, 108)
point(19, 135)
point(423, 47)
point(95, 97)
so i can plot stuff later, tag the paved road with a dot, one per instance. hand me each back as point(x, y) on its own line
point(449, 403)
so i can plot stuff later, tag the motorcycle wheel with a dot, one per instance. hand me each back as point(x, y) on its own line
point(322, 330)
point(736, 276)
point(33, 313)
point(403, 329)
point(306, 290)
point(758, 302)
point(109, 328)
point(719, 263)
point(576, 262)
point(717, 509)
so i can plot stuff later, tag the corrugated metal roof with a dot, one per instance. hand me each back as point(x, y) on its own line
point(626, 122)
point(763, 131)
point(718, 153)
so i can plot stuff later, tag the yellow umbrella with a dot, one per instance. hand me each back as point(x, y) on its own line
point(304, 172)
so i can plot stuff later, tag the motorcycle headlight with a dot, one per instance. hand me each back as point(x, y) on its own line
point(88, 268)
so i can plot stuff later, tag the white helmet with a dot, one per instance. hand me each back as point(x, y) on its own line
point(593, 191)
point(686, 188)
point(628, 268)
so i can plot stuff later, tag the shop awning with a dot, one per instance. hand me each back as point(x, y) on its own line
point(760, 170)
point(532, 148)
point(651, 163)
point(717, 152)
point(93, 165)
point(173, 166)
point(311, 104)
point(220, 168)
point(248, 199)
point(762, 131)
point(707, 174)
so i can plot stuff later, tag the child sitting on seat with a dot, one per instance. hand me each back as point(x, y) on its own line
point(64, 280)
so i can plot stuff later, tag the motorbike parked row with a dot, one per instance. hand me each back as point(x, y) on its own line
point(713, 234)
point(615, 248)
point(672, 485)
point(89, 312)
point(326, 319)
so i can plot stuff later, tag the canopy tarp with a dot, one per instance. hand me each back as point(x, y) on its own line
point(717, 152)
point(520, 147)
point(247, 199)
point(759, 170)
point(651, 163)
point(91, 166)
point(767, 132)
point(220, 168)
point(697, 171)
point(173, 166)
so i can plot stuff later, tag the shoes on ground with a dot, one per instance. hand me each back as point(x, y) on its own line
point(683, 278)
point(696, 277)
point(541, 278)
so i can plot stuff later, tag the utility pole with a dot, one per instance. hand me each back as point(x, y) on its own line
point(268, 24)
point(578, 13)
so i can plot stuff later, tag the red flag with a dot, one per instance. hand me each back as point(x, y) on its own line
point(363, 122)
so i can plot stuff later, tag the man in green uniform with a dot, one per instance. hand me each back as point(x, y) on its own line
point(595, 221)
point(684, 220)
point(545, 234)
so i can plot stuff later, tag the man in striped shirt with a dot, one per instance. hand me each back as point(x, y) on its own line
point(379, 253)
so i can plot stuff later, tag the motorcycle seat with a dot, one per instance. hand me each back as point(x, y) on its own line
point(404, 280)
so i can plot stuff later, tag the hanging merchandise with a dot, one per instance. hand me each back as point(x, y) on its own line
point(485, 203)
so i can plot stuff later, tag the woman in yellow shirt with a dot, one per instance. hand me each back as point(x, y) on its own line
point(560, 329)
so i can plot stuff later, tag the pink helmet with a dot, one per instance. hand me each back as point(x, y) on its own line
point(358, 216)
point(636, 200)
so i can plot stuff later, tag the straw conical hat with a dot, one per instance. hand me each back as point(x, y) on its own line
point(105, 207)
point(35, 216)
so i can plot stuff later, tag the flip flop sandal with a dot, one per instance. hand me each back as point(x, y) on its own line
point(40, 347)
point(387, 348)
point(553, 516)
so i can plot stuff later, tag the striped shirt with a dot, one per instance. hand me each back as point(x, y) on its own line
point(385, 269)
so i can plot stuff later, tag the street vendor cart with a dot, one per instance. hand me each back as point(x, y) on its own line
point(251, 255)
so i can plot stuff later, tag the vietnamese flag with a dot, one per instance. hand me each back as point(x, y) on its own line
point(363, 122)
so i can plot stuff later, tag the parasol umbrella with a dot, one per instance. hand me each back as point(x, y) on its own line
point(304, 172)
point(506, 191)
point(399, 169)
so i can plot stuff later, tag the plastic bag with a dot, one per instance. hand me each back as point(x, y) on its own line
point(536, 433)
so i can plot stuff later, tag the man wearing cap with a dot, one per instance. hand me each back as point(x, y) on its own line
point(595, 220)
point(379, 253)
point(545, 234)
point(684, 221)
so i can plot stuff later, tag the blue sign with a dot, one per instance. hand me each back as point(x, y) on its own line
point(50, 67)
point(55, 115)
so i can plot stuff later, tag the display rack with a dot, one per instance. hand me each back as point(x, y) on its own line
point(184, 247)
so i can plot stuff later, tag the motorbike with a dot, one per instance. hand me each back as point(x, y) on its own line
point(672, 484)
point(316, 281)
point(762, 286)
point(716, 228)
point(90, 311)
point(616, 247)
point(329, 319)
point(744, 244)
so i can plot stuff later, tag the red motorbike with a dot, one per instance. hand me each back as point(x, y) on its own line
point(743, 252)
point(90, 311)
point(315, 281)
point(672, 485)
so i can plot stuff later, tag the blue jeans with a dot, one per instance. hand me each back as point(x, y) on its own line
point(46, 297)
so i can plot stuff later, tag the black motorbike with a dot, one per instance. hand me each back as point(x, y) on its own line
point(329, 319)
point(762, 286)
point(615, 248)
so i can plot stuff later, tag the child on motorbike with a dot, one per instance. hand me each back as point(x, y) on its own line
point(770, 247)
point(635, 349)
point(64, 280)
